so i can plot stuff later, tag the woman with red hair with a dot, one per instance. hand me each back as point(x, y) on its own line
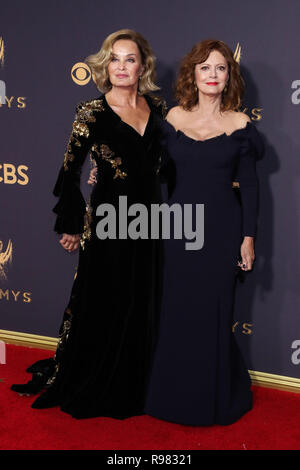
point(198, 375)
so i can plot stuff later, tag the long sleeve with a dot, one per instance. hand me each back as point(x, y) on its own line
point(251, 150)
point(168, 167)
point(71, 206)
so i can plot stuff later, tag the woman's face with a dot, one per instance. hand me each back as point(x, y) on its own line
point(212, 75)
point(125, 66)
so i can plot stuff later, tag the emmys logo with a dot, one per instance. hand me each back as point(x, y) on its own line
point(81, 73)
point(1, 51)
point(12, 174)
point(4, 99)
point(10, 294)
point(295, 96)
point(238, 53)
point(15, 296)
point(245, 327)
point(5, 257)
point(255, 113)
point(2, 84)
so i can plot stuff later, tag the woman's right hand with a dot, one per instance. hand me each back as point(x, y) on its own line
point(93, 176)
point(70, 242)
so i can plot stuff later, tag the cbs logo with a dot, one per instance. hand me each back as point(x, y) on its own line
point(10, 174)
point(81, 73)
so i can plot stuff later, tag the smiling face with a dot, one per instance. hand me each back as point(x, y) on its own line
point(212, 75)
point(125, 66)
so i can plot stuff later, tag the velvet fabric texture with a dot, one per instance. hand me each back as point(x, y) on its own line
point(110, 324)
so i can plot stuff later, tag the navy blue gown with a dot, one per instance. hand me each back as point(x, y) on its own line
point(199, 376)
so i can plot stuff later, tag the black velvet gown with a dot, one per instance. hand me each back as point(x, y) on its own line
point(198, 375)
point(109, 327)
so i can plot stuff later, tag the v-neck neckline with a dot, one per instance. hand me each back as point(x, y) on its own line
point(126, 123)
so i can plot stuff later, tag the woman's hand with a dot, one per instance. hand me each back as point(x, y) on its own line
point(247, 254)
point(69, 242)
point(93, 176)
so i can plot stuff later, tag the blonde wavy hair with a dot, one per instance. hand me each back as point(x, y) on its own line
point(98, 62)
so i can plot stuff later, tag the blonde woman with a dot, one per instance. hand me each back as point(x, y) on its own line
point(107, 336)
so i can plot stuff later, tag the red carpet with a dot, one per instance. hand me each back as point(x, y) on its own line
point(273, 424)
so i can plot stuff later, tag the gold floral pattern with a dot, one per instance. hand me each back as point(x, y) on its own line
point(63, 338)
point(86, 110)
point(103, 151)
point(85, 114)
point(160, 102)
point(81, 129)
point(86, 235)
point(69, 156)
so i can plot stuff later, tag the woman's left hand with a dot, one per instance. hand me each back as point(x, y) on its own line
point(247, 254)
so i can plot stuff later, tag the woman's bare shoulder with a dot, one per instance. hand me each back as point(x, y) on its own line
point(175, 111)
point(175, 114)
point(236, 120)
point(239, 119)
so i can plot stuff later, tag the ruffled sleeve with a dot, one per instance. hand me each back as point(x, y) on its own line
point(251, 150)
point(71, 206)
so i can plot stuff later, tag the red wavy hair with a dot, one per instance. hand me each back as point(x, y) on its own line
point(185, 91)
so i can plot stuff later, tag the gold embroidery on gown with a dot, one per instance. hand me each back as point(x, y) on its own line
point(84, 115)
point(103, 151)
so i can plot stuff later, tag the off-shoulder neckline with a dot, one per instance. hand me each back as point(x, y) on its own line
point(224, 134)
